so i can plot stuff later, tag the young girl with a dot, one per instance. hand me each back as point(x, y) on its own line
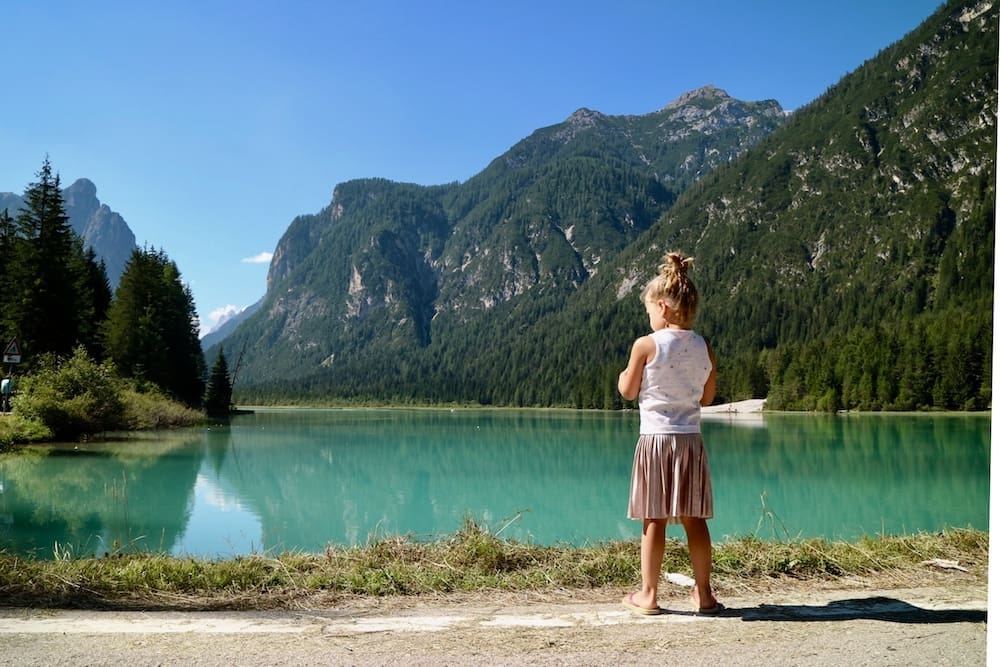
point(672, 372)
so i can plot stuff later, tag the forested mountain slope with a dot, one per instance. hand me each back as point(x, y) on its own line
point(857, 244)
point(405, 268)
point(845, 260)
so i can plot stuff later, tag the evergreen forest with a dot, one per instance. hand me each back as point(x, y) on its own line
point(57, 305)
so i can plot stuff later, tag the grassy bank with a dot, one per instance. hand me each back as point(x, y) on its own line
point(470, 560)
point(139, 411)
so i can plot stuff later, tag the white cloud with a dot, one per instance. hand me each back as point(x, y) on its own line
point(218, 317)
point(259, 258)
point(222, 314)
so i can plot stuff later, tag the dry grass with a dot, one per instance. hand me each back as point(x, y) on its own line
point(473, 560)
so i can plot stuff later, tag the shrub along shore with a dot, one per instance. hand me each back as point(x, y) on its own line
point(471, 560)
point(74, 398)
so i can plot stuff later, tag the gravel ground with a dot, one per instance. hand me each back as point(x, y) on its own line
point(827, 623)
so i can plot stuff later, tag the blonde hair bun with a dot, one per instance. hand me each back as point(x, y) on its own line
point(675, 264)
point(673, 285)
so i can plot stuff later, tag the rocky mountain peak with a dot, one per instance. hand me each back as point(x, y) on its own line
point(81, 201)
point(700, 96)
point(579, 121)
point(710, 109)
point(584, 117)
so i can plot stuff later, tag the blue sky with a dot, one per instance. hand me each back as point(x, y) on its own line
point(210, 125)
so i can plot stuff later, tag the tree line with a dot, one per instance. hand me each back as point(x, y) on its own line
point(56, 299)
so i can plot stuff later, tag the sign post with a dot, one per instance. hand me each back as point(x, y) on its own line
point(12, 353)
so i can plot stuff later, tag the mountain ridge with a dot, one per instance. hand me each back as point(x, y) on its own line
point(96, 223)
point(861, 210)
point(409, 254)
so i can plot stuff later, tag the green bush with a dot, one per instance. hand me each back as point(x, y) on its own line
point(146, 407)
point(67, 399)
point(15, 430)
point(73, 397)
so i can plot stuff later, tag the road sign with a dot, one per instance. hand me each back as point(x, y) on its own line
point(12, 353)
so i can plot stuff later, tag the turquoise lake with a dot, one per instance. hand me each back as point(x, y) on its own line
point(297, 480)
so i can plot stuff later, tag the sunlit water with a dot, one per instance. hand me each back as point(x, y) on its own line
point(298, 480)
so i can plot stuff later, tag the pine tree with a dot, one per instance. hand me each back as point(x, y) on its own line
point(219, 395)
point(8, 232)
point(95, 284)
point(8, 237)
point(151, 331)
point(46, 308)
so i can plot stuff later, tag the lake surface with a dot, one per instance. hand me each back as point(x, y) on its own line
point(283, 480)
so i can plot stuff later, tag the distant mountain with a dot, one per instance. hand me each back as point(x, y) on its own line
point(227, 325)
point(100, 228)
point(845, 256)
point(385, 261)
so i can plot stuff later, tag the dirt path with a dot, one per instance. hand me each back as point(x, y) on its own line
point(800, 625)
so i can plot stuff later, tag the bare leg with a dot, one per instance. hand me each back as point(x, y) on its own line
point(700, 548)
point(654, 532)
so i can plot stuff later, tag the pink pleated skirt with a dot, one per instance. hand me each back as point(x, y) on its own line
point(670, 478)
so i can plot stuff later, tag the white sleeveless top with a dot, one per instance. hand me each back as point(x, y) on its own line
point(673, 382)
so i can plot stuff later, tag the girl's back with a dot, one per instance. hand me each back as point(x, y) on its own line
point(673, 383)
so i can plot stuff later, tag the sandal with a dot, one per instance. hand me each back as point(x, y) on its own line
point(630, 604)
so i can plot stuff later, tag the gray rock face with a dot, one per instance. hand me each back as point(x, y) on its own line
point(100, 228)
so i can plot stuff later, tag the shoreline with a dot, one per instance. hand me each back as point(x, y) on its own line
point(917, 618)
point(752, 406)
point(747, 407)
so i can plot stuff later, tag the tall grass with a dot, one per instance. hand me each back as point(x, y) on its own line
point(473, 559)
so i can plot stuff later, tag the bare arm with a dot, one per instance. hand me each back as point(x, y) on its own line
point(630, 379)
point(708, 394)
